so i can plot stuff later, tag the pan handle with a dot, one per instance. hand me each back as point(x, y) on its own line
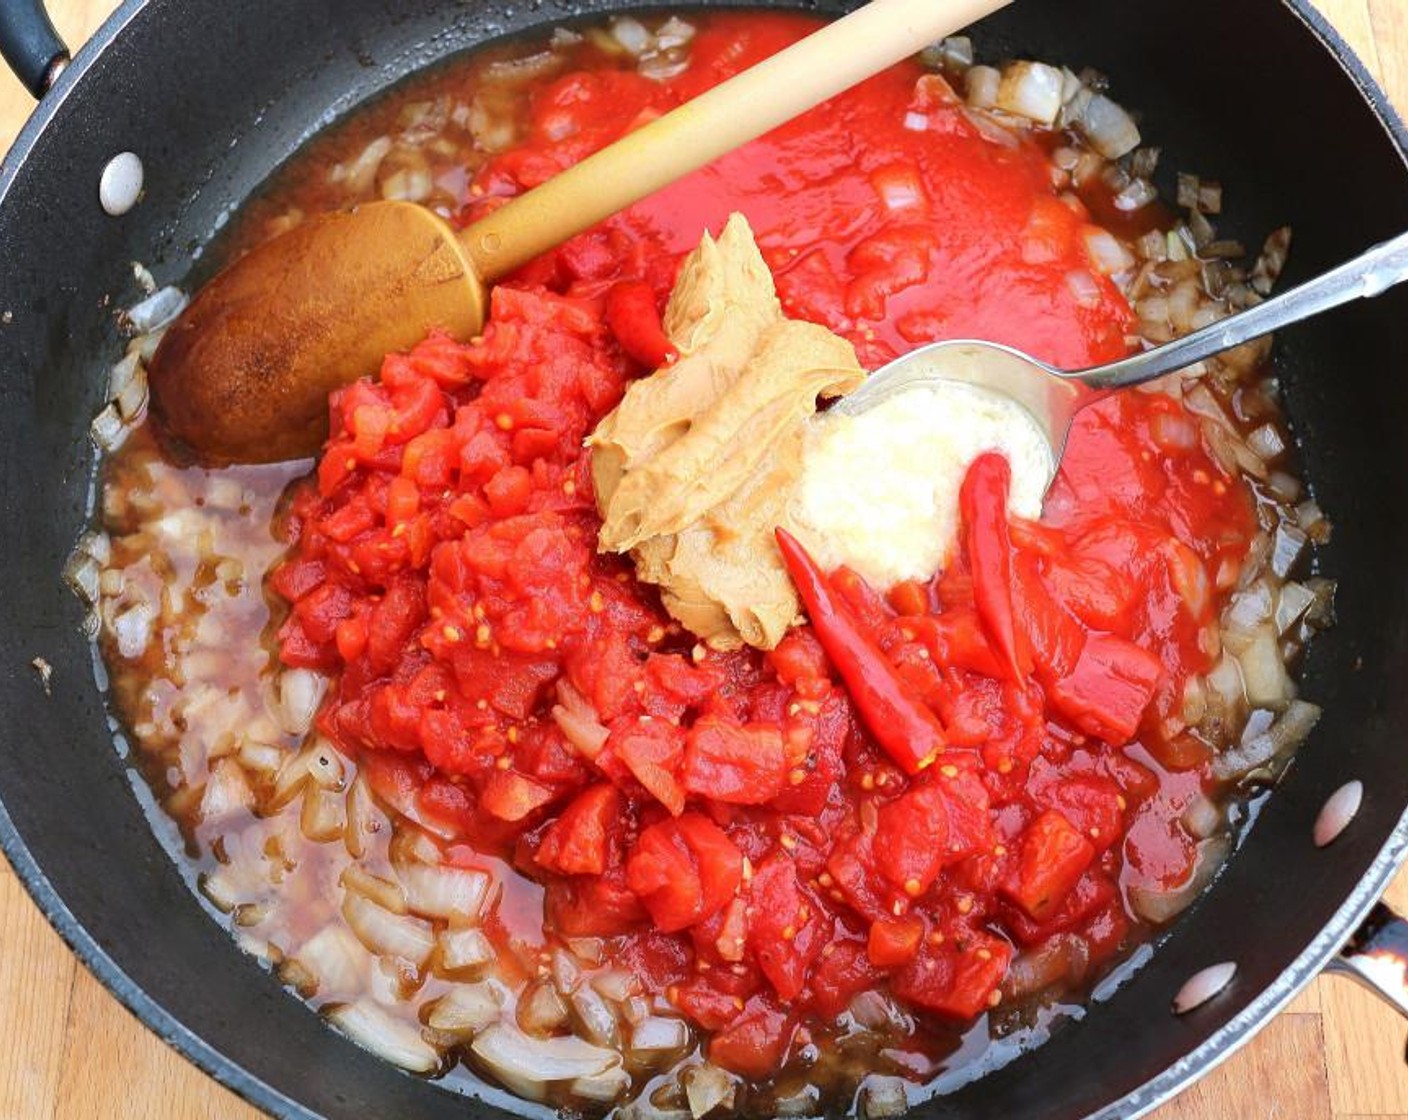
point(1377, 956)
point(30, 44)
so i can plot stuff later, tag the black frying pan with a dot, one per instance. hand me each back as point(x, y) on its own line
point(214, 95)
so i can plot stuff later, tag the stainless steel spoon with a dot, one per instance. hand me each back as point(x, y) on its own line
point(1053, 396)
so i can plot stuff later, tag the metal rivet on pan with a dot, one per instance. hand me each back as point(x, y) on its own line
point(1339, 809)
point(1203, 986)
point(121, 183)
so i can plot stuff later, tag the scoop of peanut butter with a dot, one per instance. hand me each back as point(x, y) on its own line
point(697, 465)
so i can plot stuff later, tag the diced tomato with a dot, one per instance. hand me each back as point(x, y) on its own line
point(653, 751)
point(684, 870)
point(843, 970)
point(511, 796)
point(956, 978)
point(577, 842)
point(911, 839)
point(741, 764)
point(894, 941)
point(1053, 857)
point(1107, 692)
point(786, 930)
point(755, 1044)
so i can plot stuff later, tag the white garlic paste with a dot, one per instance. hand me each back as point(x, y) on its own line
point(879, 491)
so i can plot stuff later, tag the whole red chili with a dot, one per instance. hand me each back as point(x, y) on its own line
point(900, 722)
point(634, 320)
point(982, 504)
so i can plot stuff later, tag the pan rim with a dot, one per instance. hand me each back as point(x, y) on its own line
point(1217, 1047)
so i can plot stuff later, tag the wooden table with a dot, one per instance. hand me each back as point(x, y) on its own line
point(1335, 1054)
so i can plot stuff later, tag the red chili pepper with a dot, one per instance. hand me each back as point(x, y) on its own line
point(982, 505)
point(900, 722)
point(634, 320)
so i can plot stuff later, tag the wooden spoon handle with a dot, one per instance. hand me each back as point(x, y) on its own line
point(774, 91)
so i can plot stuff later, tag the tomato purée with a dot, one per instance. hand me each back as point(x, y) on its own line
point(734, 823)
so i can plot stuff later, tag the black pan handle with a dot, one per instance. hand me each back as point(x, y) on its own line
point(30, 44)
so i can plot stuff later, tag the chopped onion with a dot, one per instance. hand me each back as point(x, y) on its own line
point(658, 1034)
point(1202, 817)
point(631, 34)
point(594, 1020)
point(1136, 196)
point(706, 1087)
point(386, 933)
point(1293, 601)
point(107, 429)
point(300, 693)
point(385, 893)
point(440, 891)
point(1287, 546)
point(604, 1087)
point(226, 793)
point(1110, 130)
point(324, 815)
point(263, 758)
point(513, 1055)
point(364, 820)
point(1159, 905)
point(1247, 615)
point(464, 950)
point(394, 1039)
point(84, 575)
point(1031, 90)
point(133, 629)
point(1264, 673)
point(883, 1097)
point(616, 984)
point(335, 960)
point(578, 720)
point(1107, 253)
point(1062, 959)
point(1266, 441)
point(675, 32)
point(157, 310)
point(360, 176)
point(466, 1009)
point(541, 1009)
point(1284, 734)
point(981, 84)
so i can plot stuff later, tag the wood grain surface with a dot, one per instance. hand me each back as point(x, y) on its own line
point(66, 1046)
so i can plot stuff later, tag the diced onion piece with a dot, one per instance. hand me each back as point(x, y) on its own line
point(674, 32)
point(394, 1039)
point(300, 693)
point(466, 1009)
point(1264, 673)
point(389, 934)
point(1110, 130)
point(659, 1034)
point(706, 1087)
point(226, 793)
point(631, 34)
point(883, 1097)
point(107, 429)
point(133, 629)
point(440, 891)
point(516, 1057)
point(262, 758)
point(1247, 615)
point(1286, 548)
point(1157, 906)
point(157, 310)
point(1284, 734)
point(595, 1021)
point(1107, 253)
point(603, 1087)
point(578, 720)
point(364, 819)
point(385, 893)
point(1266, 441)
point(541, 1009)
point(1031, 90)
point(335, 959)
point(1293, 601)
point(1202, 817)
point(324, 814)
point(464, 950)
point(84, 575)
point(616, 984)
point(981, 84)
point(120, 377)
point(1061, 959)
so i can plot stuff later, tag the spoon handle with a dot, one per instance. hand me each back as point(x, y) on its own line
point(1367, 275)
point(808, 72)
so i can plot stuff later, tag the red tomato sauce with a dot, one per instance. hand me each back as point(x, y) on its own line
point(729, 819)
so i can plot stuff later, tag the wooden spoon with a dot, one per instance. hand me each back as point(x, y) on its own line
point(244, 374)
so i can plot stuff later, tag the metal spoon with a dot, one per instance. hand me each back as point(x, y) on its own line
point(1053, 396)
